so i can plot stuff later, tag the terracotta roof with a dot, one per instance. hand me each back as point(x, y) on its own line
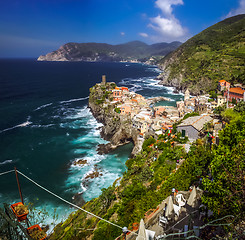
point(237, 90)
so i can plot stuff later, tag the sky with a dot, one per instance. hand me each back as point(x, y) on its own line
point(29, 28)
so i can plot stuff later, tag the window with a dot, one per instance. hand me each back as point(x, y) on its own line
point(183, 133)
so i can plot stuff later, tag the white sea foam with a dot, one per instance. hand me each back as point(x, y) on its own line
point(79, 113)
point(42, 125)
point(6, 162)
point(154, 69)
point(74, 100)
point(43, 106)
point(171, 91)
point(24, 124)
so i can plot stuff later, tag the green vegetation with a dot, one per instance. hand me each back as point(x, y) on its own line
point(106, 52)
point(192, 114)
point(155, 171)
point(100, 93)
point(214, 54)
point(117, 110)
point(225, 187)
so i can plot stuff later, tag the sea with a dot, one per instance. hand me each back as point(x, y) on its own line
point(46, 125)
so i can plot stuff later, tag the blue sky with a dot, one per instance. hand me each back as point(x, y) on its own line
point(29, 28)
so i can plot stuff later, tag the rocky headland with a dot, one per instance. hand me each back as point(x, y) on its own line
point(117, 128)
point(134, 51)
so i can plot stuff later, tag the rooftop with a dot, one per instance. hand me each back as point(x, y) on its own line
point(196, 121)
point(237, 90)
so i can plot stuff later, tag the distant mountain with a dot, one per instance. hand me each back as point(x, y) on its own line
point(214, 54)
point(131, 51)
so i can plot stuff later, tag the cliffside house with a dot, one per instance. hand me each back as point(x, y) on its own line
point(125, 109)
point(142, 121)
point(236, 93)
point(124, 90)
point(223, 85)
point(221, 100)
point(118, 92)
point(159, 111)
point(192, 126)
point(201, 108)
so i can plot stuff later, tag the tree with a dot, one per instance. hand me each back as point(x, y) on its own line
point(225, 188)
point(240, 107)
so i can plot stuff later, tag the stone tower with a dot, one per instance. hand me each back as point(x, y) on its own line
point(187, 95)
point(103, 80)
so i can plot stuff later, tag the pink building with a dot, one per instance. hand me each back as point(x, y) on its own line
point(126, 109)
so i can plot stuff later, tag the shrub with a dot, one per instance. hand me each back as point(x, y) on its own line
point(147, 143)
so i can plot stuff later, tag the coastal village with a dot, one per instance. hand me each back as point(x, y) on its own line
point(173, 215)
point(152, 120)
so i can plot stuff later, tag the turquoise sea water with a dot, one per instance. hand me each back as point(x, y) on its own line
point(45, 126)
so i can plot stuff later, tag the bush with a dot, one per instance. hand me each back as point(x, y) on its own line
point(147, 143)
point(190, 115)
point(117, 110)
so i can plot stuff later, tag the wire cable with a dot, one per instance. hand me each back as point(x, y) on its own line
point(6, 172)
point(62, 199)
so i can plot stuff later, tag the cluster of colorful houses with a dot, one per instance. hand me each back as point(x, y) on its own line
point(155, 120)
point(237, 92)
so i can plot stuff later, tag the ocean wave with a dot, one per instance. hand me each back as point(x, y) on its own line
point(42, 125)
point(43, 106)
point(24, 124)
point(78, 113)
point(6, 162)
point(154, 69)
point(74, 100)
point(171, 91)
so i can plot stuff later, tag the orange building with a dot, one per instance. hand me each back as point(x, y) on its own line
point(117, 94)
point(236, 93)
point(223, 85)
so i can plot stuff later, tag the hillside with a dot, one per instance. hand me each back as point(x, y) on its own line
point(131, 51)
point(216, 53)
point(152, 174)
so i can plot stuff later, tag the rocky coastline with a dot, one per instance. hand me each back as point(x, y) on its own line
point(116, 129)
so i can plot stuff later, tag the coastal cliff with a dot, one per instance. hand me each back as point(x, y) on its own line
point(214, 54)
point(116, 128)
point(134, 51)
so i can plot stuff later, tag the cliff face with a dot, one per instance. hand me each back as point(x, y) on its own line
point(116, 129)
point(214, 54)
point(132, 51)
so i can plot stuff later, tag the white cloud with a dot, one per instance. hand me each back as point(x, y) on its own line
point(239, 10)
point(143, 35)
point(122, 33)
point(167, 26)
point(171, 28)
point(166, 5)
